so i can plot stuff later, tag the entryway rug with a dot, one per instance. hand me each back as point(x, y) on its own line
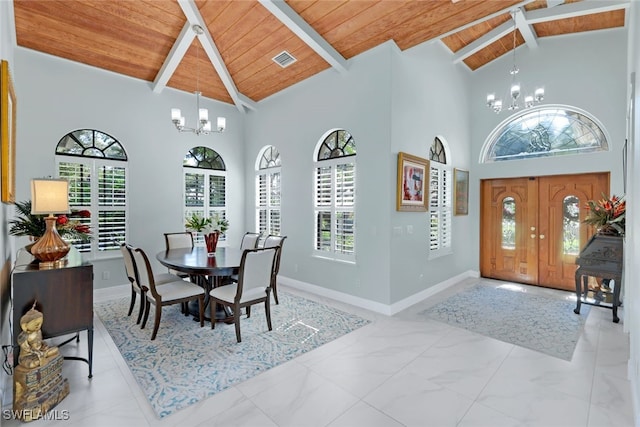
point(187, 363)
point(537, 322)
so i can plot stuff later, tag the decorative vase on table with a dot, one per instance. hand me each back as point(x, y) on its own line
point(211, 240)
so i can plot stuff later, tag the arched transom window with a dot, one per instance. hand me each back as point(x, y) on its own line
point(268, 192)
point(543, 132)
point(440, 199)
point(205, 186)
point(95, 163)
point(334, 201)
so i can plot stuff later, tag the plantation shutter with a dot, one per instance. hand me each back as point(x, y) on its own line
point(79, 177)
point(323, 208)
point(345, 200)
point(112, 218)
point(440, 209)
point(261, 202)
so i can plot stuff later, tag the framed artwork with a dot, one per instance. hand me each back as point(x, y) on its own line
point(7, 134)
point(413, 173)
point(461, 191)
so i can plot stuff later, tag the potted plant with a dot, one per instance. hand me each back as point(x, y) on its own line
point(70, 227)
point(211, 228)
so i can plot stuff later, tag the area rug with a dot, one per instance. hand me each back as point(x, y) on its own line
point(537, 322)
point(186, 363)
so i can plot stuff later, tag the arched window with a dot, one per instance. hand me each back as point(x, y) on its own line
point(544, 131)
point(95, 164)
point(205, 185)
point(440, 199)
point(334, 201)
point(268, 191)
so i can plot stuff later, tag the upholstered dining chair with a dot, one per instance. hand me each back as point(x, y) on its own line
point(249, 240)
point(253, 286)
point(130, 270)
point(273, 241)
point(177, 292)
point(178, 240)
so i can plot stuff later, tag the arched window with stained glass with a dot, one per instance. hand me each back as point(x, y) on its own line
point(545, 131)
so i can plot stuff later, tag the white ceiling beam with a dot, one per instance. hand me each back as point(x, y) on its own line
point(194, 17)
point(176, 54)
point(306, 33)
point(486, 18)
point(572, 10)
point(526, 30)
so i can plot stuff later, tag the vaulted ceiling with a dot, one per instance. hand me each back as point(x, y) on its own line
point(232, 57)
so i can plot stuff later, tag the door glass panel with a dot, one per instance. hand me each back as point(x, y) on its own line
point(571, 226)
point(508, 223)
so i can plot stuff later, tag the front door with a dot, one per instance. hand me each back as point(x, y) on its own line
point(531, 228)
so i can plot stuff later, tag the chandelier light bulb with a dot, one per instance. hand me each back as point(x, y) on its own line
point(491, 98)
point(515, 91)
point(222, 124)
point(497, 106)
point(539, 94)
point(528, 101)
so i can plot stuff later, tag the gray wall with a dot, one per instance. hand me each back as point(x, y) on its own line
point(58, 96)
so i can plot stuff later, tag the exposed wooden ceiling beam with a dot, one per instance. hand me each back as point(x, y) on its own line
point(176, 54)
point(193, 15)
point(305, 32)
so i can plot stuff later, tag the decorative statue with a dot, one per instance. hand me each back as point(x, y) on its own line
point(34, 351)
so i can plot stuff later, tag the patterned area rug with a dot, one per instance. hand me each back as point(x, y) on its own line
point(186, 363)
point(540, 323)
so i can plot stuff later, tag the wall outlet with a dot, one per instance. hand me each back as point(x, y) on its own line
point(409, 229)
point(106, 275)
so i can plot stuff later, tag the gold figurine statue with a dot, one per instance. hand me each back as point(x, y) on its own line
point(33, 350)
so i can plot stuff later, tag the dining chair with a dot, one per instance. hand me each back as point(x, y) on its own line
point(177, 292)
point(273, 241)
point(130, 270)
point(249, 240)
point(253, 286)
point(178, 240)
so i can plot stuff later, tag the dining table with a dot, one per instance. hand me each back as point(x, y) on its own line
point(206, 269)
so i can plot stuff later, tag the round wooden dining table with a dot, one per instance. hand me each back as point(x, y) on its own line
point(207, 270)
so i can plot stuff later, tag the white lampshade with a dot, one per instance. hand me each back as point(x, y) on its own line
point(222, 123)
point(175, 114)
point(203, 114)
point(49, 196)
point(207, 126)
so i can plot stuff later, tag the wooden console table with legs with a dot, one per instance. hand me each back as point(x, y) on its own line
point(64, 295)
point(602, 257)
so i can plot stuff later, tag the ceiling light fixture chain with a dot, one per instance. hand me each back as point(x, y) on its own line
point(204, 124)
point(515, 90)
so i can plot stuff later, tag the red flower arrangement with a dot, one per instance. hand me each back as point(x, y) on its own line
point(607, 214)
point(70, 227)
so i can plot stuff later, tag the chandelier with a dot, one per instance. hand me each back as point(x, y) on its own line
point(515, 91)
point(204, 124)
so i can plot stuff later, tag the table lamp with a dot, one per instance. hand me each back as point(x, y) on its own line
point(49, 196)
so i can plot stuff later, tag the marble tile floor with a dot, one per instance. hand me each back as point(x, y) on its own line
point(402, 370)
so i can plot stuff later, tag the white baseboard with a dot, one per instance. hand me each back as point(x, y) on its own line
point(377, 307)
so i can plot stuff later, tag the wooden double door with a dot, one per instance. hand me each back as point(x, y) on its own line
point(531, 228)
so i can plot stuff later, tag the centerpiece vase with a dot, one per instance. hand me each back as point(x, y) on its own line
point(211, 240)
point(607, 230)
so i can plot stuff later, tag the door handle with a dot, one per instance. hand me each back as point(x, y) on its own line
point(542, 236)
point(533, 236)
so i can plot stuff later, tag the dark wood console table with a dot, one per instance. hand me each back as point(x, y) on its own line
point(64, 295)
point(601, 257)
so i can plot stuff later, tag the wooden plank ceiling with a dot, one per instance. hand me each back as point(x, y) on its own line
point(231, 61)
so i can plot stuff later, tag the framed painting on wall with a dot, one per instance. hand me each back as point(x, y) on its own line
point(7, 134)
point(412, 183)
point(461, 191)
